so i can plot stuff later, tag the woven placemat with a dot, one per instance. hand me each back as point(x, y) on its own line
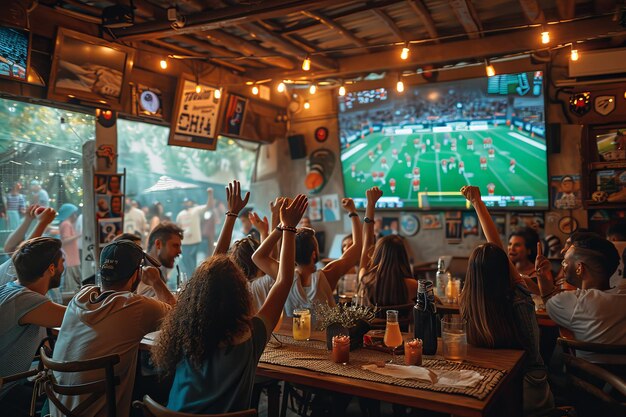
point(314, 356)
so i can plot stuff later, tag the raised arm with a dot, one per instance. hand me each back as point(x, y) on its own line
point(235, 205)
point(275, 219)
point(152, 277)
point(338, 268)
point(18, 235)
point(263, 258)
point(472, 193)
point(262, 225)
point(290, 215)
point(544, 275)
point(373, 194)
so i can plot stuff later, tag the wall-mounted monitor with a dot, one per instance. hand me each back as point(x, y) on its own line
point(89, 69)
point(14, 53)
point(423, 145)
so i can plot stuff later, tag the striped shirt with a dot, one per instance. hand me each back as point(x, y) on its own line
point(16, 202)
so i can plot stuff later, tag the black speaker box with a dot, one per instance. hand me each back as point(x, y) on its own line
point(553, 137)
point(297, 148)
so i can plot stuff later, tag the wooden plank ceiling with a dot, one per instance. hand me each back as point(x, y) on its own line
point(268, 39)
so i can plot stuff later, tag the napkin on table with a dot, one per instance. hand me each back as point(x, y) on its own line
point(460, 378)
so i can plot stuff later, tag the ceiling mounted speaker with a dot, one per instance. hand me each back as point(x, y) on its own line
point(118, 16)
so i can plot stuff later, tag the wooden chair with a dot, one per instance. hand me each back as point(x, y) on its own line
point(570, 346)
point(103, 387)
point(594, 391)
point(405, 316)
point(151, 408)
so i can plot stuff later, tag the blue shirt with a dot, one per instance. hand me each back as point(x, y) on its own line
point(18, 343)
point(223, 384)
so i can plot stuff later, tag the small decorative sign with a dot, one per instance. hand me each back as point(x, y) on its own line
point(580, 103)
point(194, 123)
point(604, 105)
point(321, 134)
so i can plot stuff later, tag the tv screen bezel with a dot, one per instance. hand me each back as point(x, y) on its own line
point(29, 49)
point(547, 138)
point(67, 94)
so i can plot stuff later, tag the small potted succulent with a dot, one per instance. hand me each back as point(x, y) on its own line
point(344, 319)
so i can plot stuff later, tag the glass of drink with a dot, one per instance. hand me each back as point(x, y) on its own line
point(413, 352)
point(301, 324)
point(341, 349)
point(393, 337)
point(454, 338)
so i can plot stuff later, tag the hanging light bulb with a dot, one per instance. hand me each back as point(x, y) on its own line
point(405, 52)
point(574, 53)
point(218, 94)
point(545, 37)
point(312, 89)
point(255, 90)
point(400, 85)
point(307, 105)
point(163, 64)
point(198, 89)
point(342, 91)
point(491, 71)
point(281, 87)
point(306, 64)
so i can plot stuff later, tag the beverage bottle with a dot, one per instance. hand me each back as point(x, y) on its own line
point(425, 317)
point(442, 279)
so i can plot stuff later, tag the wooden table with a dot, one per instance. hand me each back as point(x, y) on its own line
point(504, 400)
point(542, 315)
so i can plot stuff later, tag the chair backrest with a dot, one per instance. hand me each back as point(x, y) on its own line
point(571, 346)
point(594, 391)
point(151, 408)
point(95, 389)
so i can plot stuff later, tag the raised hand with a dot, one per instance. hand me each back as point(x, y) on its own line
point(32, 211)
point(263, 226)
point(373, 194)
point(291, 211)
point(348, 205)
point(45, 215)
point(542, 264)
point(471, 193)
point(149, 275)
point(275, 206)
point(233, 196)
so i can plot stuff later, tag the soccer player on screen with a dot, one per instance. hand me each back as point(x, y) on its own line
point(394, 152)
point(392, 184)
point(470, 145)
point(416, 143)
point(483, 163)
point(461, 167)
point(383, 163)
point(444, 166)
point(453, 145)
point(452, 163)
point(353, 169)
point(437, 147)
point(512, 166)
point(423, 148)
point(491, 188)
point(379, 148)
point(381, 175)
point(460, 136)
point(485, 143)
point(408, 159)
point(371, 155)
point(491, 153)
point(416, 185)
point(416, 173)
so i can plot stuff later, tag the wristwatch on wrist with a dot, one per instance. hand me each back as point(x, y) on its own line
point(367, 220)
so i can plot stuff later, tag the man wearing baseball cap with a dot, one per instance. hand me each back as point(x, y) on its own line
point(111, 320)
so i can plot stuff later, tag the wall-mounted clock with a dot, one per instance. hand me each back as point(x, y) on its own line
point(150, 103)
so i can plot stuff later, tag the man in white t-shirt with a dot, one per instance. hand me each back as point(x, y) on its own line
point(190, 220)
point(593, 312)
point(134, 219)
point(164, 245)
point(111, 320)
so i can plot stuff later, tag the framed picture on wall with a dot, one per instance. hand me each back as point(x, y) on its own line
point(195, 116)
point(88, 68)
point(234, 115)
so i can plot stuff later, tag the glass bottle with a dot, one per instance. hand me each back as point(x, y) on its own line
point(442, 279)
point(425, 317)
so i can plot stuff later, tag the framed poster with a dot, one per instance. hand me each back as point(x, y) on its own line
point(195, 116)
point(88, 68)
point(234, 115)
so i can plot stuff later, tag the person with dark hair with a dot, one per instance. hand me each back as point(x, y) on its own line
point(617, 232)
point(310, 284)
point(523, 250)
point(247, 228)
point(111, 320)
point(499, 311)
point(164, 245)
point(156, 214)
point(594, 312)
point(385, 276)
point(215, 363)
point(16, 206)
point(26, 312)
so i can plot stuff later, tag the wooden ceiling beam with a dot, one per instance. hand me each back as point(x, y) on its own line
point(330, 23)
point(188, 52)
point(221, 18)
point(250, 49)
point(285, 46)
point(420, 9)
point(566, 8)
point(532, 11)
point(467, 17)
point(523, 40)
point(391, 25)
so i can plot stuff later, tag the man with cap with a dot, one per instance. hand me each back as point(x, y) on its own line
point(68, 213)
point(38, 194)
point(111, 320)
point(26, 312)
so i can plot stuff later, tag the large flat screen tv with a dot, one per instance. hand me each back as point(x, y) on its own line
point(423, 145)
point(14, 53)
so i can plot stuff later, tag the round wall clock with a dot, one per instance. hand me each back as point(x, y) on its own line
point(409, 224)
point(149, 102)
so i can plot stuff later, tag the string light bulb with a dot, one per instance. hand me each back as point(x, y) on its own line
point(281, 87)
point(545, 37)
point(307, 105)
point(342, 91)
point(163, 64)
point(306, 64)
point(312, 89)
point(405, 52)
point(255, 90)
point(400, 85)
point(198, 89)
point(217, 94)
point(574, 53)
point(491, 71)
